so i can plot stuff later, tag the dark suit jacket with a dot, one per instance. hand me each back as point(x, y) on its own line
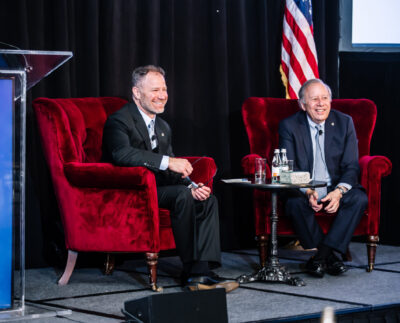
point(126, 142)
point(341, 146)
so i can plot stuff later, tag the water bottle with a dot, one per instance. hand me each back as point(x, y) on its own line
point(275, 169)
point(284, 161)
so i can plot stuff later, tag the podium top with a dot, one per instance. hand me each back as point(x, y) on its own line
point(37, 64)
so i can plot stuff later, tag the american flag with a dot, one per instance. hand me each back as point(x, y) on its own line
point(299, 56)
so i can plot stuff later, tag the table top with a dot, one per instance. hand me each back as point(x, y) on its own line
point(272, 186)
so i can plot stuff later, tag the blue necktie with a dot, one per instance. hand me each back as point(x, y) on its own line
point(152, 134)
point(319, 164)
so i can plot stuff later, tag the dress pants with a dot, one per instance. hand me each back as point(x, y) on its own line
point(351, 209)
point(195, 224)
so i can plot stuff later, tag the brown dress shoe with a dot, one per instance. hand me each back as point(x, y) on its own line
point(229, 286)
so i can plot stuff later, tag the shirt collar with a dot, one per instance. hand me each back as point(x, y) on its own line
point(313, 124)
point(145, 117)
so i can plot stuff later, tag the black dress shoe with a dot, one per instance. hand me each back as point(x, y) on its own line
point(316, 267)
point(205, 280)
point(334, 266)
point(214, 276)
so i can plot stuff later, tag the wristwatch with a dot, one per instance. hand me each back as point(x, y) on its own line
point(342, 190)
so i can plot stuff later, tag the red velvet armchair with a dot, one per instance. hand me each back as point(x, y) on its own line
point(261, 117)
point(104, 208)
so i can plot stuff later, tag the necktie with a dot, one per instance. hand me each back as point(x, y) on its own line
point(319, 164)
point(152, 134)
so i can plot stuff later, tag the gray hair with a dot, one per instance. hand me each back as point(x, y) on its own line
point(140, 72)
point(307, 84)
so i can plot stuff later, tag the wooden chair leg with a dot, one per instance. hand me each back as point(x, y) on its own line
point(69, 268)
point(371, 250)
point(262, 241)
point(109, 264)
point(152, 259)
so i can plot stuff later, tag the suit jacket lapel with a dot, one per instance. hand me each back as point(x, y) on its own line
point(329, 133)
point(140, 124)
point(307, 143)
point(161, 137)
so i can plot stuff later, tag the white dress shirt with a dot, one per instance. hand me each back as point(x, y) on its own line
point(147, 120)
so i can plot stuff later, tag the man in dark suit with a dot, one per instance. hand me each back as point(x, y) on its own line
point(136, 136)
point(324, 143)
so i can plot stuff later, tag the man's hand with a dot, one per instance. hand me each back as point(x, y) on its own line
point(180, 165)
point(334, 201)
point(312, 199)
point(201, 193)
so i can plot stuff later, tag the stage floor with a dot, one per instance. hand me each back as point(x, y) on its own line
point(93, 297)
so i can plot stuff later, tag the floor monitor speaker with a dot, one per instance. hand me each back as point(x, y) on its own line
point(195, 307)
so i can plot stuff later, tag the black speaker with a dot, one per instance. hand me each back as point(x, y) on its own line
point(195, 307)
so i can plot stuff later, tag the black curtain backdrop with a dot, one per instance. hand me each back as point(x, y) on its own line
point(216, 54)
point(376, 76)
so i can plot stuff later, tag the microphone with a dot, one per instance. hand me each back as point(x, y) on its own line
point(192, 184)
point(320, 132)
point(28, 68)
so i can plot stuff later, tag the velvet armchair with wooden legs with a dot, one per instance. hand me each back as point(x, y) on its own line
point(104, 208)
point(261, 118)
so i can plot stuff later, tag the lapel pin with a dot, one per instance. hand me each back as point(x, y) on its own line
point(162, 134)
point(332, 124)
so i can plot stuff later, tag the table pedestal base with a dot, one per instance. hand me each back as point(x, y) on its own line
point(273, 271)
point(271, 274)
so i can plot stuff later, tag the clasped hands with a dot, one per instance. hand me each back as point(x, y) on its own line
point(333, 198)
point(184, 167)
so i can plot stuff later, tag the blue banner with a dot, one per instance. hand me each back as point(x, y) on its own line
point(6, 199)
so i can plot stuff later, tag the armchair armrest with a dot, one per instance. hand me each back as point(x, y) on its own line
point(373, 168)
point(248, 166)
point(108, 176)
point(204, 169)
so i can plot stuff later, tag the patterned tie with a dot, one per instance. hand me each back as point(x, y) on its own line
point(319, 164)
point(152, 134)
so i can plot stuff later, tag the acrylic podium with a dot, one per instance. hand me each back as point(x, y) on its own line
point(19, 71)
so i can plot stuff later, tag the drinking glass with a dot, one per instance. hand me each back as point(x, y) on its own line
point(260, 170)
point(290, 166)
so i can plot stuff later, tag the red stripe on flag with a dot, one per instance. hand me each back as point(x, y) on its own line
point(291, 92)
point(294, 63)
point(302, 40)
